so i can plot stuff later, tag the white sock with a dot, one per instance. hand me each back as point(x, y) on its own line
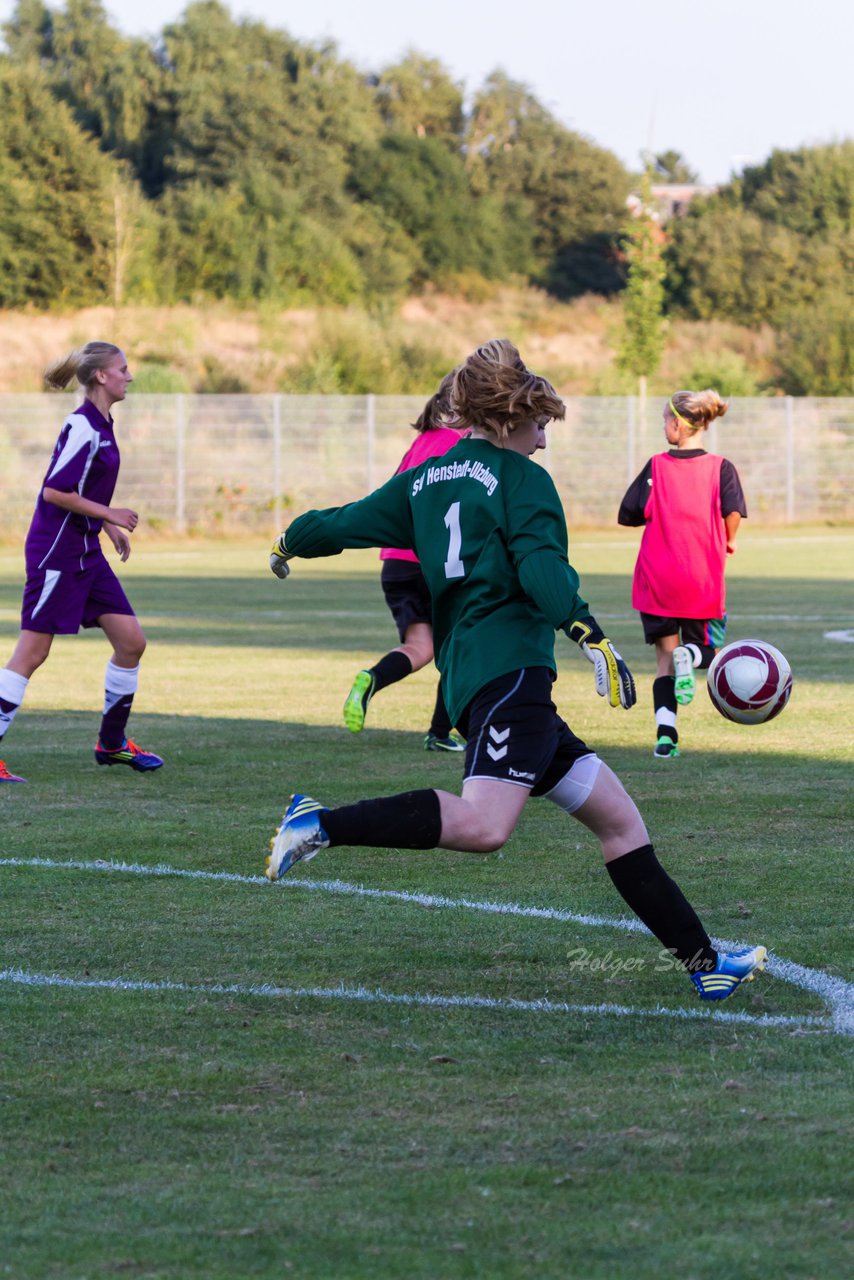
point(696, 656)
point(118, 683)
point(12, 689)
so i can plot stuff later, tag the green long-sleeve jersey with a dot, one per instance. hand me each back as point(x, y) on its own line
point(488, 527)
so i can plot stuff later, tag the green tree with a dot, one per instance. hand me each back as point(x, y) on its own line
point(418, 97)
point(815, 346)
point(642, 340)
point(569, 191)
point(670, 166)
point(56, 227)
point(810, 191)
point(424, 188)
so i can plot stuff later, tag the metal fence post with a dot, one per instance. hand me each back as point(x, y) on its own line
point(180, 471)
point(371, 413)
point(277, 463)
point(630, 439)
point(790, 460)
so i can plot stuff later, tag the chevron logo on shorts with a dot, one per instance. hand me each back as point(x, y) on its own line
point(497, 736)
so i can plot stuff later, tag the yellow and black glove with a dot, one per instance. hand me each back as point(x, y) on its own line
point(613, 679)
point(279, 558)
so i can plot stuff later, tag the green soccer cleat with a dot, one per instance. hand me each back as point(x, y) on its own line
point(683, 670)
point(356, 706)
point(666, 749)
point(730, 971)
point(453, 743)
point(299, 837)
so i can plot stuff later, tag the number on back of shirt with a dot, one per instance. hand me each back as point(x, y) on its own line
point(454, 567)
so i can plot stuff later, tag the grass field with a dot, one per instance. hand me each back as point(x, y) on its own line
point(369, 1070)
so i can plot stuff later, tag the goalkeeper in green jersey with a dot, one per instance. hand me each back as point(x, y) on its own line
point(489, 530)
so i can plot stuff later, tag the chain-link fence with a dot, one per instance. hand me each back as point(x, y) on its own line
point(208, 464)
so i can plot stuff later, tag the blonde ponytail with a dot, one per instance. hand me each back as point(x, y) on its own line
point(82, 364)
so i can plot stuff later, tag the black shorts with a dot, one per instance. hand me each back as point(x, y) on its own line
point(406, 594)
point(515, 734)
point(710, 631)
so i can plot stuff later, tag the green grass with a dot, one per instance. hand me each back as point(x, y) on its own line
point(189, 1133)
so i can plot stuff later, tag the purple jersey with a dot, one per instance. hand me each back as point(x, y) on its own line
point(85, 461)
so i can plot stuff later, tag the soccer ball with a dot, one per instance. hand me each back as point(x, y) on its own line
point(749, 681)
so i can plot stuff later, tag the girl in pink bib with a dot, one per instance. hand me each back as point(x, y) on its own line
point(690, 504)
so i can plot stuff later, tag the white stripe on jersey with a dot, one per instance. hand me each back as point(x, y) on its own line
point(81, 436)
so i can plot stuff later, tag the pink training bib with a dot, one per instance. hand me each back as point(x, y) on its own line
point(680, 566)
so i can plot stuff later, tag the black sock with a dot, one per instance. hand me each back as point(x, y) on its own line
point(707, 652)
point(411, 820)
point(441, 722)
point(664, 699)
point(645, 886)
point(393, 667)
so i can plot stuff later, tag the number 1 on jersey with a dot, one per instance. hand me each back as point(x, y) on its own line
point(454, 567)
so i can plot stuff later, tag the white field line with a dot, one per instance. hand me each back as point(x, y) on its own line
point(376, 995)
point(837, 994)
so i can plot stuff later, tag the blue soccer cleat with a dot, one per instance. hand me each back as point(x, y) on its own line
point(130, 754)
point(731, 970)
point(299, 837)
point(6, 776)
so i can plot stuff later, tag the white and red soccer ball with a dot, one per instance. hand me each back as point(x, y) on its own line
point(749, 681)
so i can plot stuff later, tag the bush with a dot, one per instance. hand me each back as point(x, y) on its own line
point(727, 371)
point(152, 378)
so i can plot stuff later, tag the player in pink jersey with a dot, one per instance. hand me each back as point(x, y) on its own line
point(690, 503)
point(406, 592)
point(69, 582)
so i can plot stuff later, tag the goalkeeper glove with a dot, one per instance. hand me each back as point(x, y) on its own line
point(279, 558)
point(612, 676)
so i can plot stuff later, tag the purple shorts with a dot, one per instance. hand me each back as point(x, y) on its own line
point(59, 601)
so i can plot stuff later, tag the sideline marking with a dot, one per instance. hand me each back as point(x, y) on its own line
point(837, 994)
point(842, 637)
point(376, 995)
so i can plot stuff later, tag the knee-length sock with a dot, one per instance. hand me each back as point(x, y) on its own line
point(120, 684)
point(664, 702)
point(12, 689)
point(411, 820)
point(657, 900)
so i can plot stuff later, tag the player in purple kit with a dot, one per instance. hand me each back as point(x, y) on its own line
point(69, 582)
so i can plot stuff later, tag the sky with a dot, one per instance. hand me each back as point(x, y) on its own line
point(723, 82)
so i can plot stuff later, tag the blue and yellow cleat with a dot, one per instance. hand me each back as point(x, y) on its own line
point(452, 743)
point(130, 754)
point(356, 706)
point(731, 970)
point(299, 837)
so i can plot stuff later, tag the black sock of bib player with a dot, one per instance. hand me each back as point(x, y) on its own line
point(393, 667)
point(664, 701)
point(702, 655)
point(440, 725)
point(645, 886)
point(411, 820)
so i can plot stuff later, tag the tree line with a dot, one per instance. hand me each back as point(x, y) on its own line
point(226, 159)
